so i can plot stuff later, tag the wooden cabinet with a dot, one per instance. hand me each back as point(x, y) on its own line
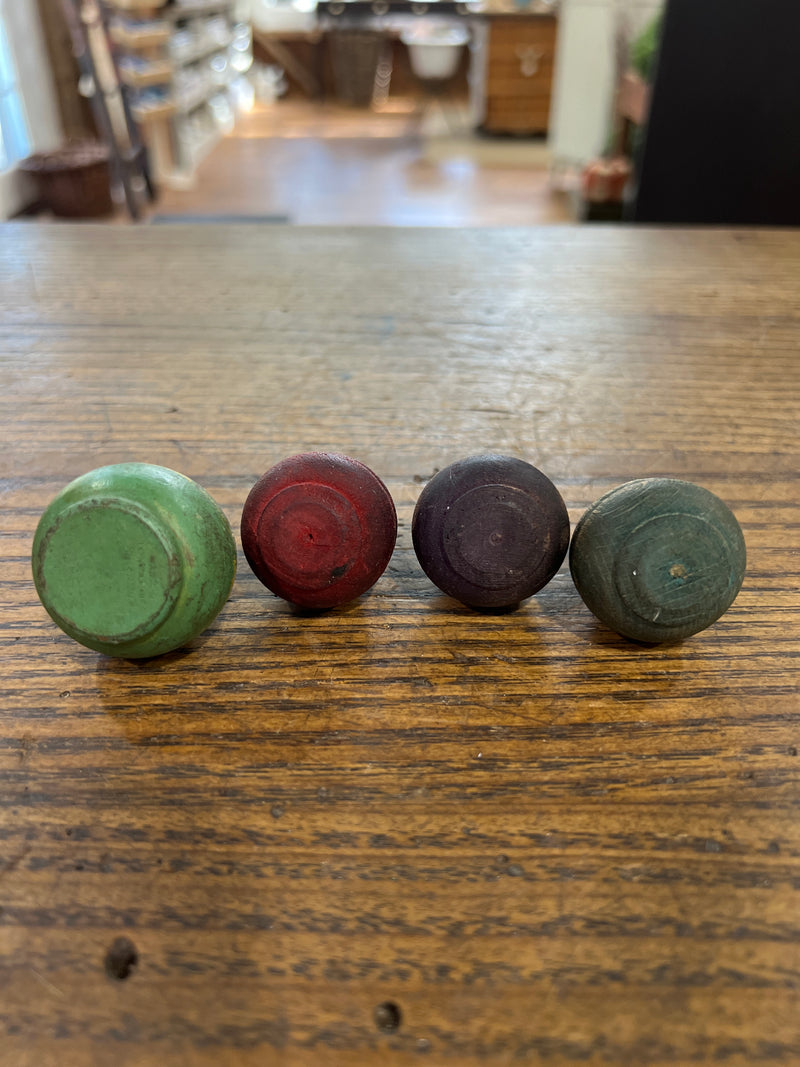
point(518, 58)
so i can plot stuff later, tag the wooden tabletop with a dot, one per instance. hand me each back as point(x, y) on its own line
point(403, 831)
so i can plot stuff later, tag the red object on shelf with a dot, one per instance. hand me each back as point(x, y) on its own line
point(633, 98)
point(319, 529)
point(604, 180)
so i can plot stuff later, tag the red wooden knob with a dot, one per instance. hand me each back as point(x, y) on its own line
point(319, 529)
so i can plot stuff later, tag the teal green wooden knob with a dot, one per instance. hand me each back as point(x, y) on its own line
point(133, 560)
point(658, 559)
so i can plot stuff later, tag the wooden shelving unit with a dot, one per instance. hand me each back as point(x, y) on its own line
point(153, 112)
point(201, 7)
point(155, 72)
point(170, 87)
point(173, 11)
point(202, 52)
point(141, 39)
point(137, 7)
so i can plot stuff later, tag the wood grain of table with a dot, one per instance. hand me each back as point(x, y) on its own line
point(540, 842)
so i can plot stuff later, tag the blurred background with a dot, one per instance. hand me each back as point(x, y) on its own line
point(399, 112)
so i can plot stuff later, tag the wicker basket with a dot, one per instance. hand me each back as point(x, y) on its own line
point(355, 55)
point(73, 181)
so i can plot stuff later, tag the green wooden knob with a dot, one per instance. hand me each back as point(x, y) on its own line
point(658, 559)
point(133, 560)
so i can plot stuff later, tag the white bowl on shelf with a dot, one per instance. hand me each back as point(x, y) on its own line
point(434, 48)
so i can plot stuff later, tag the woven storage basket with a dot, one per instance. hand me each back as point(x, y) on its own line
point(73, 181)
point(355, 55)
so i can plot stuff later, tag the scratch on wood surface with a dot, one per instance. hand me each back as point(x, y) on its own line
point(47, 983)
point(34, 285)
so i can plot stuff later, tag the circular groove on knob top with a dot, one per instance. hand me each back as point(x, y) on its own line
point(670, 567)
point(488, 534)
point(490, 530)
point(109, 570)
point(133, 559)
point(658, 559)
point(318, 529)
point(310, 533)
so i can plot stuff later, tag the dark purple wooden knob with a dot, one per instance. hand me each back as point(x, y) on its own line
point(490, 530)
point(319, 529)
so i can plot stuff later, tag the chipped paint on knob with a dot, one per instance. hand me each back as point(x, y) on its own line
point(133, 560)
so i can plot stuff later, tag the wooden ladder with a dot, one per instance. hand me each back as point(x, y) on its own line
point(94, 54)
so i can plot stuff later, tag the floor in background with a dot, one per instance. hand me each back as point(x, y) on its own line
point(324, 164)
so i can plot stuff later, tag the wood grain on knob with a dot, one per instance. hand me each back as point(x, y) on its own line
point(490, 530)
point(658, 559)
point(319, 529)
